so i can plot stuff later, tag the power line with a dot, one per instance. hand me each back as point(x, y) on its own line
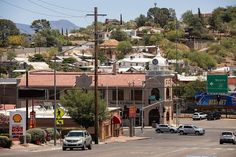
point(35, 12)
point(54, 5)
point(50, 9)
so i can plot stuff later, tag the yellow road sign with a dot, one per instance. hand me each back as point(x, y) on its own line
point(59, 122)
point(60, 113)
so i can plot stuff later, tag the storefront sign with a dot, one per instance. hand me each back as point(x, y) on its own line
point(17, 123)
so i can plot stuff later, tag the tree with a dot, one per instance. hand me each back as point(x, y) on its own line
point(69, 60)
point(16, 40)
point(195, 25)
point(37, 58)
point(124, 47)
point(80, 107)
point(141, 20)
point(161, 16)
point(7, 28)
point(39, 25)
point(11, 55)
point(189, 90)
point(119, 35)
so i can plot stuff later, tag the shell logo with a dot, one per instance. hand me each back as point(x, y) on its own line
point(17, 118)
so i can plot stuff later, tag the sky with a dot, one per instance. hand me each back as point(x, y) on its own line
point(26, 11)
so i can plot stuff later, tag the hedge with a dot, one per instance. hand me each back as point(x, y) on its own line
point(37, 135)
point(28, 138)
point(51, 132)
point(5, 142)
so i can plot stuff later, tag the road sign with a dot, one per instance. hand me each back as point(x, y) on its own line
point(132, 111)
point(217, 84)
point(60, 113)
point(84, 81)
point(59, 121)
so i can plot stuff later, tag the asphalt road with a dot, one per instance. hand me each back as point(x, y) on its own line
point(158, 145)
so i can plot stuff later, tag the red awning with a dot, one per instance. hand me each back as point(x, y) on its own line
point(116, 120)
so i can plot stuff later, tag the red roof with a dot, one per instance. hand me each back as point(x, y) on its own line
point(68, 79)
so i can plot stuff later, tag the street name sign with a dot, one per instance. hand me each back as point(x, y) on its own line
point(217, 83)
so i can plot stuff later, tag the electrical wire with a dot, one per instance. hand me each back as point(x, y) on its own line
point(35, 12)
point(50, 9)
point(70, 9)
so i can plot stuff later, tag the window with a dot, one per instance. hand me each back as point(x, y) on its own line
point(137, 95)
point(120, 94)
point(51, 94)
point(102, 93)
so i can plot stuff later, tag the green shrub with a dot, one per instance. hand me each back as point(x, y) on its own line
point(28, 138)
point(51, 132)
point(5, 142)
point(37, 135)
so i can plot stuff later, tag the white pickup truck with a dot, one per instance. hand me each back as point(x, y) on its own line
point(199, 116)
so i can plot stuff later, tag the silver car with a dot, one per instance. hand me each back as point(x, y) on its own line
point(190, 129)
point(77, 139)
point(165, 128)
point(228, 137)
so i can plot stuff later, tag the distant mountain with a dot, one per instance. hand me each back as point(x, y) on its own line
point(24, 28)
point(65, 24)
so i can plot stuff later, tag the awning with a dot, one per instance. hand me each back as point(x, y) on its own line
point(116, 120)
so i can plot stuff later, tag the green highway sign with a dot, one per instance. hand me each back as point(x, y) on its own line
point(217, 83)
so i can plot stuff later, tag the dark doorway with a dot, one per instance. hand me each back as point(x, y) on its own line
point(156, 92)
point(154, 116)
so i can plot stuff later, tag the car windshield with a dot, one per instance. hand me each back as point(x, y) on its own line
point(226, 133)
point(195, 127)
point(196, 114)
point(75, 134)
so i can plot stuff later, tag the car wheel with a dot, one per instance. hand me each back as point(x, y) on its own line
point(71, 148)
point(221, 142)
point(181, 133)
point(158, 131)
point(172, 131)
point(63, 148)
point(84, 146)
point(90, 146)
point(234, 142)
point(197, 133)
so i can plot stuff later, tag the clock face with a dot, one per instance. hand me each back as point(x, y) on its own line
point(155, 61)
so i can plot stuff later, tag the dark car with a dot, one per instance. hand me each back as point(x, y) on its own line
point(213, 116)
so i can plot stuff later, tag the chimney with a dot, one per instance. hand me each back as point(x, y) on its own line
point(114, 70)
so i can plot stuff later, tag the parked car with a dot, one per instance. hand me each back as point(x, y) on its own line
point(77, 139)
point(165, 128)
point(213, 115)
point(199, 116)
point(228, 137)
point(190, 129)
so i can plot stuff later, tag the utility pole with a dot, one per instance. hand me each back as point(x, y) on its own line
point(55, 101)
point(96, 127)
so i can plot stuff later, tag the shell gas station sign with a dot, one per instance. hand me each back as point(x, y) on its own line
point(17, 124)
